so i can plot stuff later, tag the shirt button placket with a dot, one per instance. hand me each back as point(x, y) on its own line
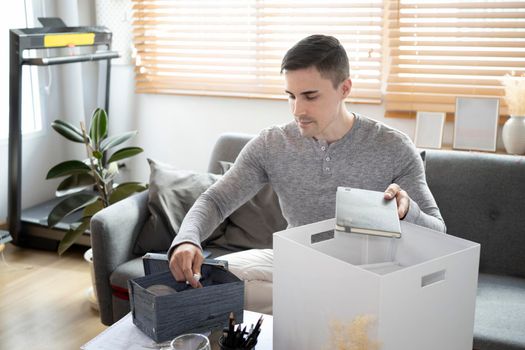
point(326, 165)
point(326, 159)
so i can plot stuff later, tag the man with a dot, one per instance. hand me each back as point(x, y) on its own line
point(324, 147)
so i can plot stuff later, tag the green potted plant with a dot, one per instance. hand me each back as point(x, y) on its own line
point(89, 183)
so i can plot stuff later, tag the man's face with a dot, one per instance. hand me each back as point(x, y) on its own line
point(315, 103)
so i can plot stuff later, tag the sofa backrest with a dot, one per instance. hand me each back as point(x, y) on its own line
point(227, 149)
point(482, 198)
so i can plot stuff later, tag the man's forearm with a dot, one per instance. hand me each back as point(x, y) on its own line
point(198, 224)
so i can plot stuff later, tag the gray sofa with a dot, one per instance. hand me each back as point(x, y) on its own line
point(481, 197)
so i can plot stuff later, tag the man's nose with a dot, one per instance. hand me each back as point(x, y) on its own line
point(298, 108)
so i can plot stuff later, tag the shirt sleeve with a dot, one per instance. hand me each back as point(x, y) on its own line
point(410, 176)
point(240, 183)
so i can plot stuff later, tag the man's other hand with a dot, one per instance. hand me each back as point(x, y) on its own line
point(402, 199)
point(185, 262)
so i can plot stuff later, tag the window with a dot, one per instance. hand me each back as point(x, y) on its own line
point(16, 17)
point(443, 49)
point(235, 47)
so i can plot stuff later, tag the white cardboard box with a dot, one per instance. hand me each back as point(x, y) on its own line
point(420, 289)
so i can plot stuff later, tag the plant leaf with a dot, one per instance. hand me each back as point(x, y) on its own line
point(99, 126)
point(72, 235)
point(67, 168)
point(124, 153)
point(74, 183)
point(97, 154)
point(68, 206)
point(93, 208)
point(68, 131)
point(124, 190)
point(116, 140)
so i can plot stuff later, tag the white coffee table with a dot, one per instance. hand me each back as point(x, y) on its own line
point(124, 335)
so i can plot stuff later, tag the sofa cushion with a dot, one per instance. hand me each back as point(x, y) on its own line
point(423, 155)
point(119, 286)
point(172, 192)
point(480, 197)
point(119, 278)
point(500, 313)
point(252, 225)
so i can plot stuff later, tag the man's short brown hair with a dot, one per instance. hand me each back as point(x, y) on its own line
point(323, 52)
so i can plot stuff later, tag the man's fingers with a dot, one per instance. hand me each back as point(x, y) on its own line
point(190, 262)
point(185, 263)
point(176, 271)
point(197, 263)
point(403, 203)
point(391, 191)
point(402, 199)
point(191, 278)
point(184, 259)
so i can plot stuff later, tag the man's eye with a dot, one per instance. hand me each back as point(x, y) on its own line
point(310, 98)
point(291, 97)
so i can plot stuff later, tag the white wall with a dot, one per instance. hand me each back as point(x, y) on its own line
point(181, 130)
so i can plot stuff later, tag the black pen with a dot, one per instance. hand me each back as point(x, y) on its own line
point(238, 336)
point(240, 339)
point(254, 332)
point(230, 329)
point(257, 329)
point(258, 325)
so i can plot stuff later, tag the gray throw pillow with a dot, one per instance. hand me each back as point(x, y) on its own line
point(423, 155)
point(172, 192)
point(253, 223)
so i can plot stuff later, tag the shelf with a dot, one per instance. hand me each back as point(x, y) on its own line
point(48, 61)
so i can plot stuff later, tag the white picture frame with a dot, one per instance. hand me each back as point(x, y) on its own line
point(476, 123)
point(429, 129)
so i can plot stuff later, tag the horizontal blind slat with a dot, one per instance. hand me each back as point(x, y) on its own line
point(457, 42)
point(471, 33)
point(457, 4)
point(236, 47)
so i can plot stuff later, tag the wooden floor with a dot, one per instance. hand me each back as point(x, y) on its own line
point(43, 301)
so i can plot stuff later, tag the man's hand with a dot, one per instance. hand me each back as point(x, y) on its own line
point(402, 199)
point(185, 262)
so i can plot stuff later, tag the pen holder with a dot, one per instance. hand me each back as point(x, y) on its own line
point(226, 347)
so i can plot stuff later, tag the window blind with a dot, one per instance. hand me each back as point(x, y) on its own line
point(441, 49)
point(235, 47)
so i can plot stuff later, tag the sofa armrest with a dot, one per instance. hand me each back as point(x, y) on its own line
point(114, 231)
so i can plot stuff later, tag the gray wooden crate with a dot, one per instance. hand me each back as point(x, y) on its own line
point(189, 310)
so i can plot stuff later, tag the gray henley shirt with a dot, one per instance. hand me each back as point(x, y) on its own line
point(305, 174)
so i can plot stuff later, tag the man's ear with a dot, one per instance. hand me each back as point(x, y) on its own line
point(346, 87)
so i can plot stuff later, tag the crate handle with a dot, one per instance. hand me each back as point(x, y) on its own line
point(433, 278)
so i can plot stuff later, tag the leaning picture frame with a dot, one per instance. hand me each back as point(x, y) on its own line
point(476, 123)
point(429, 129)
